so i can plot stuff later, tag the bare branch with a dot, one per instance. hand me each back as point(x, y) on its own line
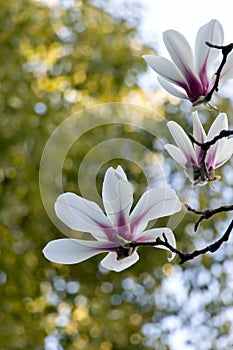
point(225, 52)
point(212, 248)
point(206, 145)
point(208, 213)
point(157, 242)
point(182, 255)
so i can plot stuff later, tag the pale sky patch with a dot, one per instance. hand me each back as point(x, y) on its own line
point(184, 16)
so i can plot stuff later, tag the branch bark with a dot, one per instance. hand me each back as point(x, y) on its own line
point(208, 213)
point(184, 257)
point(225, 52)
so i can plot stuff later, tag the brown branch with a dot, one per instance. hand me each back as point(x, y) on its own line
point(157, 242)
point(182, 255)
point(208, 213)
point(206, 145)
point(225, 52)
point(212, 248)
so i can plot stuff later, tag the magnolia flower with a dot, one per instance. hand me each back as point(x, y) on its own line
point(114, 230)
point(191, 157)
point(191, 76)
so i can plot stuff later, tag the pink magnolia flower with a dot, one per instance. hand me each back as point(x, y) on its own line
point(191, 76)
point(115, 229)
point(191, 157)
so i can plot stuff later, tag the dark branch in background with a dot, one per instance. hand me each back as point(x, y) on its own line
point(225, 52)
point(182, 255)
point(208, 213)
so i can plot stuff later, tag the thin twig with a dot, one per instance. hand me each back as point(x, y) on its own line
point(225, 52)
point(206, 145)
point(182, 255)
point(210, 248)
point(208, 213)
point(155, 243)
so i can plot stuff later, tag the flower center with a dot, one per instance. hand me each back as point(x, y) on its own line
point(200, 175)
point(124, 252)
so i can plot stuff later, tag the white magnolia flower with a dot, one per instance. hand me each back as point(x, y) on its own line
point(191, 157)
point(115, 229)
point(191, 75)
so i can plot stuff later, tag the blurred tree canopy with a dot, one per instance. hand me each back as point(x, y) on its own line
point(58, 57)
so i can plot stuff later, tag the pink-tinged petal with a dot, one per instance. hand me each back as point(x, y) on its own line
point(110, 262)
point(181, 54)
point(83, 215)
point(211, 32)
point(72, 251)
point(153, 204)
point(220, 123)
point(153, 234)
point(182, 141)
point(199, 135)
point(215, 154)
point(117, 196)
point(210, 158)
point(227, 71)
point(165, 69)
point(172, 89)
point(224, 152)
point(176, 154)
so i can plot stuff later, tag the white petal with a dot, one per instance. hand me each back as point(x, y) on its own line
point(227, 72)
point(117, 196)
point(110, 262)
point(181, 53)
point(182, 141)
point(72, 251)
point(198, 130)
point(165, 68)
point(153, 234)
point(224, 152)
point(220, 123)
point(155, 203)
point(176, 154)
point(83, 215)
point(172, 89)
point(211, 32)
point(199, 135)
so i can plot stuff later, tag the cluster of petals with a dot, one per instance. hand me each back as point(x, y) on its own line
point(190, 156)
point(114, 229)
point(119, 230)
point(191, 75)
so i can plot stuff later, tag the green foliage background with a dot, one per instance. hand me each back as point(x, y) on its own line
point(54, 62)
